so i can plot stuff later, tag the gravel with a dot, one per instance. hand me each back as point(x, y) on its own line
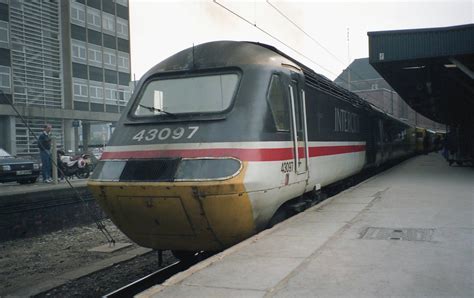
point(28, 262)
point(110, 279)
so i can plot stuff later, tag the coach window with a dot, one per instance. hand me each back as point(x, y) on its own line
point(278, 104)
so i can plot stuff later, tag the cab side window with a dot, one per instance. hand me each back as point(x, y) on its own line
point(278, 102)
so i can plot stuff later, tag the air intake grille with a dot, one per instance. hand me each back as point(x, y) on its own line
point(150, 170)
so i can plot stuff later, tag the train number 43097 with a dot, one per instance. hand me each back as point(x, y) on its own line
point(165, 133)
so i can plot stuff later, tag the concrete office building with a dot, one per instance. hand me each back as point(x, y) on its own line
point(63, 62)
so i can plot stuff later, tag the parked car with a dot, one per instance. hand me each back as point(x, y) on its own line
point(21, 170)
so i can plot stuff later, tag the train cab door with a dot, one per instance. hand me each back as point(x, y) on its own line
point(299, 127)
point(379, 146)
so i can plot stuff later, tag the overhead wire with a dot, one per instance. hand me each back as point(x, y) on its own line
point(272, 36)
point(367, 95)
point(312, 38)
point(282, 42)
point(318, 43)
point(349, 68)
point(285, 44)
point(304, 32)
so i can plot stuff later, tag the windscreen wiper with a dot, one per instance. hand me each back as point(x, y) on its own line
point(153, 109)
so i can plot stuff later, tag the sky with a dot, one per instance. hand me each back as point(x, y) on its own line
point(313, 32)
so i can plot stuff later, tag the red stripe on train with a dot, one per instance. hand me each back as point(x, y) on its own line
point(261, 154)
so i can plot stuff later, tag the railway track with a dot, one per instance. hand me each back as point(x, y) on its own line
point(156, 277)
point(148, 281)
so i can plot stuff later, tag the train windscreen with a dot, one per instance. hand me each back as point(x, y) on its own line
point(198, 94)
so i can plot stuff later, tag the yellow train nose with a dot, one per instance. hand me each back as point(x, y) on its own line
point(179, 215)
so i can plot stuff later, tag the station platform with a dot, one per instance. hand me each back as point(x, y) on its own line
point(13, 189)
point(405, 232)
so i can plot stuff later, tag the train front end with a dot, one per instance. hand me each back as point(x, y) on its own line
point(175, 212)
point(171, 177)
point(174, 188)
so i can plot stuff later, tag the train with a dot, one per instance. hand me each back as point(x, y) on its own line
point(220, 140)
point(428, 140)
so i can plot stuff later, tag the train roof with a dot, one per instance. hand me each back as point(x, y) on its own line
point(234, 53)
point(220, 54)
point(387, 115)
point(322, 83)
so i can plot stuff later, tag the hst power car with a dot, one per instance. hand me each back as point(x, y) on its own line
point(218, 139)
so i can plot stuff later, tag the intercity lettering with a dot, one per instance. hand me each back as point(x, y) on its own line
point(345, 121)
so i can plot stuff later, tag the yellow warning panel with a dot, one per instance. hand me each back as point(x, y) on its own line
point(230, 217)
point(153, 216)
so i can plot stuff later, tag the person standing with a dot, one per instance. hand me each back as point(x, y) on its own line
point(44, 145)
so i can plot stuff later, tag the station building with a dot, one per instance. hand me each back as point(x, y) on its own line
point(366, 82)
point(63, 62)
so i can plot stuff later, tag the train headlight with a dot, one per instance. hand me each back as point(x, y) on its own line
point(108, 170)
point(167, 169)
point(36, 166)
point(199, 169)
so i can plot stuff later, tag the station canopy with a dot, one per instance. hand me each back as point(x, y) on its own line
point(432, 69)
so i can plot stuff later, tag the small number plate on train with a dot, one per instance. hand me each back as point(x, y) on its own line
point(24, 172)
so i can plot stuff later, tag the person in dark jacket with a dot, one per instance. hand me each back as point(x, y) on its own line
point(44, 145)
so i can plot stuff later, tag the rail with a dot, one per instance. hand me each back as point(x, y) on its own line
point(150, 280)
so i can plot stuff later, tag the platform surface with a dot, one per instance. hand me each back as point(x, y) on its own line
point(405, 232)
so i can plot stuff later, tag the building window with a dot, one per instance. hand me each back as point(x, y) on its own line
point(50, 73)
point(5, 77)
point(122, 28)
point(123, 95)
point(4, 33)
point(78, 13)
point(80, 91)
point(78, 51)
point(93, 18)
point(49, 34)
point(95, 55)
point(123, 45)
point(122, 2)
point(96, 94)
point(109, 58)
point(108, 22)
point(123, 61)
point(110, 94)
